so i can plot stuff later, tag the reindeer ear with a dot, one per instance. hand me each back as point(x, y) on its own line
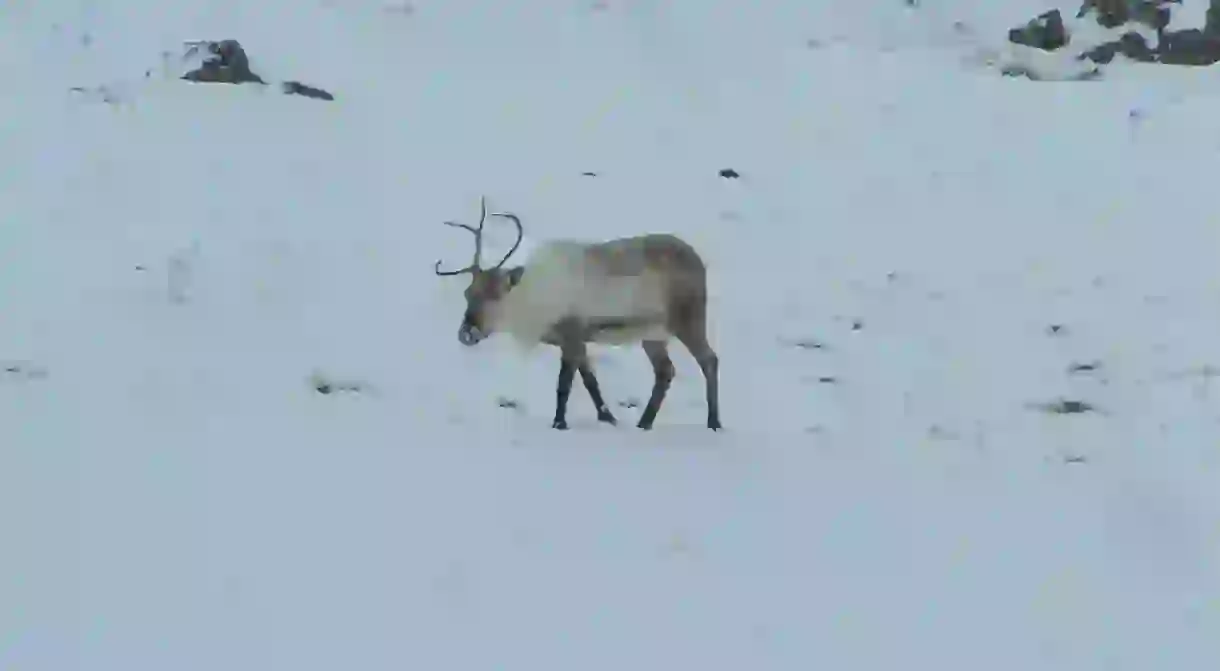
point(514, 275)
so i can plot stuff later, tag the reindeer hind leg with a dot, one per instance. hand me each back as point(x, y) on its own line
point(692, 333)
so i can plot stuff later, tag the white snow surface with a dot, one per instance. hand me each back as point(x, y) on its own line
point(177, 265)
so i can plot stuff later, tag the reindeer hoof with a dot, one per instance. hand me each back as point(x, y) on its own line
point(560, 425)
point(714, 425)
point(606, 417)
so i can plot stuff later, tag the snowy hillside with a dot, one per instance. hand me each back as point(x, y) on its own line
point(968, 326)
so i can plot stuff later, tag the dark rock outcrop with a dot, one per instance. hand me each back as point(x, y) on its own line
point(1190, 47)
point(1172, 47)
point(227, 63)
point(1115, 13)
point(1131, 45)
point(1045, 32)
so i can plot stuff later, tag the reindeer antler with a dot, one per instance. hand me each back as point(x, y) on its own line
point(478, 242)
point(520, 235)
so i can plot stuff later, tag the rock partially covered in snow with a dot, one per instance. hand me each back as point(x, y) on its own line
point(1140, 30)
point(1115, 13)
point(1132, 45)
point(1190, 47)
point(226, 63)
point(1045, 32)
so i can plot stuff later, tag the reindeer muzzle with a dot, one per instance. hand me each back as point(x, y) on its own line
point(469, 334)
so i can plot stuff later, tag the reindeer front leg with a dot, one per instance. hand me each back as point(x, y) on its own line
point(572, 358)
point(595, 393)
point(563, 389)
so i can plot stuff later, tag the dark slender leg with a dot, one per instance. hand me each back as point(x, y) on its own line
point(709, 363)
point(563, 389)
point(595, 393)
point(573, 357)
point(691, 330)
point(663, 371)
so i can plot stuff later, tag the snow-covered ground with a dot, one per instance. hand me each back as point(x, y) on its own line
point(918, 256)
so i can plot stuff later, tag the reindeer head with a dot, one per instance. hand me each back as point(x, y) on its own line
point(488, 286)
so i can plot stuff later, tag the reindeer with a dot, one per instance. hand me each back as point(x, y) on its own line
point(641, 289)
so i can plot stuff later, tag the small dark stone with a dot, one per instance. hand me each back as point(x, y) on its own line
point(729, 173)
point(97, 93)
point(297, 88)
point(1068, 407)
point(1018, 70)
point(1084, 367)
point(588, 174)
point(324, 388)
point(1055, 329)
point(24, 371)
